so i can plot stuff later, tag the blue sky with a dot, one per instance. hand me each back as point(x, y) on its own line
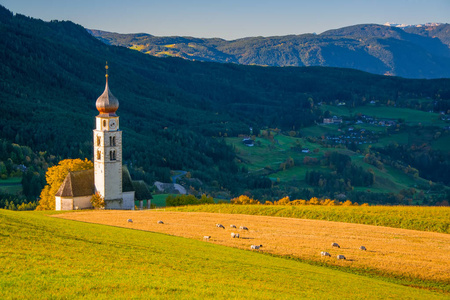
point(231, 19)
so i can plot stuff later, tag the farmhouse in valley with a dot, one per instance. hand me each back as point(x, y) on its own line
point(108, 178)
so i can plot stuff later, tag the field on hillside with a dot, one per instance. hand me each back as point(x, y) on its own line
point(44, 257)
point(411, 116)
point(269, 154)
point(411, 255)
point(433, 219)
point(11, 185)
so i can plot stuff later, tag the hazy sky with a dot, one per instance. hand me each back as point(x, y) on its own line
point(230, 19)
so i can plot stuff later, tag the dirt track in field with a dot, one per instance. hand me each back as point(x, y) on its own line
point(424, 255)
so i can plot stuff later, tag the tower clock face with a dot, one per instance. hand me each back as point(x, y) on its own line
point(112, 124)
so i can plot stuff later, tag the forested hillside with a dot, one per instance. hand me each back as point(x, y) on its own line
point(174, 113)
point(414, 52)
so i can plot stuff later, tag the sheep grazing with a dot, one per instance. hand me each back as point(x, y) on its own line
point(130, 221)
point(323, 253)
point(362, 248)
point(220, 226)
point(256, 247)
point(234, 235)
point(243, 228)
point(160, 222)
point(335, 245)
point(340, 256)
point(233, 226)
point(207, 237)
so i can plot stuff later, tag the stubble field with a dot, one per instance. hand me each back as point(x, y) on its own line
point(400, 253)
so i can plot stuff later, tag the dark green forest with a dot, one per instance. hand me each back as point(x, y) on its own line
point(174, 113)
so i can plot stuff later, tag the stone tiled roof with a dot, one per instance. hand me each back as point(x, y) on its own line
point(77, 184)
point(127, 183)
point(142, 191)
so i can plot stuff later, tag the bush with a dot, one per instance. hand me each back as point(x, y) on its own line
point(243, 199)
point(97, 201)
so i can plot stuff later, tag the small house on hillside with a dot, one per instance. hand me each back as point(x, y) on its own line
point(76, 191)
point(248, 142)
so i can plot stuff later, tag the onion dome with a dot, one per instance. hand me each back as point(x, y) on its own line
point(107, 104)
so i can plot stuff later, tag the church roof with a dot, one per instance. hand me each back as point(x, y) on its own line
point(107, 104)
point(77, 184)
point(141, 190)
point(127, 183)
point(81, 183)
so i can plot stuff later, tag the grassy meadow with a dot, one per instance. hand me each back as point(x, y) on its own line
point(11, 185)
point(45, 257)
point(435, 219)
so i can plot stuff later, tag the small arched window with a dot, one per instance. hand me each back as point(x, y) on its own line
point(114, 155)
point(98, 140)
point(99, 154)
point(114, 141)
point(104, 123)
point(110, 141)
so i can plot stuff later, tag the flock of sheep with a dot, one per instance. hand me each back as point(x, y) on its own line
point(339, 256)
point(234, 235)
point(257, 247)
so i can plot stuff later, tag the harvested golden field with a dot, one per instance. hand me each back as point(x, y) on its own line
point(390, 251)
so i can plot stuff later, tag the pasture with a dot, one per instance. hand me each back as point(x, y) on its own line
point(44, 257)
point(11, 186)
point(412, 255)
point(411, 116)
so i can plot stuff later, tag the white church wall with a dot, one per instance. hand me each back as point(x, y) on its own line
point(82, 202)
point(57, 203)
point(66, 203)
point(128, 200)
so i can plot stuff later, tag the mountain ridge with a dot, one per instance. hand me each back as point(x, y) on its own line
point(410, 52)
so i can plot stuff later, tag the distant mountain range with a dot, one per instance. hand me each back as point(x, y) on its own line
point(407, 51)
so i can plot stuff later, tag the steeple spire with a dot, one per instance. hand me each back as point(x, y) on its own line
point(106, 68)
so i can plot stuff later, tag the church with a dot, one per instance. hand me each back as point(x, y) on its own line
point(108, 178)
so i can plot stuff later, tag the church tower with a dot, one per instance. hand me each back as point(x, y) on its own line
point(108, 150)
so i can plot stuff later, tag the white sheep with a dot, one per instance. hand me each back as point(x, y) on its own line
point(234, 235)
point(340, 256)
point(207, 237)
point(220, 226)
point(160, 222)
point(243, 228)
point(362, 248)
point(256, 247)
point(130, 221)
point(323, 253)
point(233, 226)
point(335, 245)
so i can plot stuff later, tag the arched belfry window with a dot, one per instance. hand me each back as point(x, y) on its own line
point(114, 141)
point(104, 123)
point(99, 154)
point(98, 140)
point(112, 155)
point(110, 141)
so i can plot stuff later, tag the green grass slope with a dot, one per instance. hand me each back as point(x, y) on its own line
point(43, 257)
